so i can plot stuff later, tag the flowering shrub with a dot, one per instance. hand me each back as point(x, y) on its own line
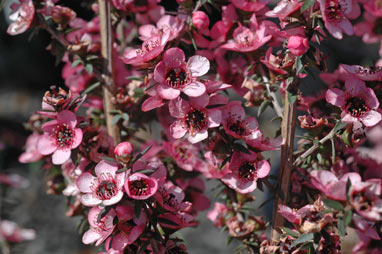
point(137, 65)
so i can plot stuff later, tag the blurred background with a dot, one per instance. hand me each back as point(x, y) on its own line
point(27, 70)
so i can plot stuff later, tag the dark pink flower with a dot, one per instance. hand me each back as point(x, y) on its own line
point(139, 186)
point(166, 24)
point(31, 153)
point(245, 40)
point(123, 152)
point(245, 170)
point(130, 227)
point(250, 6)
point(184, 153)
point(370, 29)
point(373, 6)
point(298, 45)
point(334, 13)
point(60, 137)
point(170, 197)
point(193, 118)
point(105, 188)
point(22, 14)
point(364, 73)
point(175, 75)
point(358, 102)
point(99, 230)
point(201, 21)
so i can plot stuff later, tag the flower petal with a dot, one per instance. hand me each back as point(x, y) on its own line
point(167, 92)
point(90, 236)
point(46, 144)
point(60, 156)
point(89, 200)
point(335, 97)
point(84, 182)
point(104, 167)
point(194, 89)
point(263, 168)
point(202, 135)
point(67, 117)
point(371, 118)
point(214, 118)
point(177, 130)
point(199, 65)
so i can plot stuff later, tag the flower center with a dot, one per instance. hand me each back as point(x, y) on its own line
point(356, 107)
point(237, 127)
point(196, 120)
point(245, 39)
point(106, 189)
point(333, 11)
point(248, 171)
point(138, 187)
point(377, 29)
point(177, 78)
point(64, 136)
point(363, 201)
point(148, 46)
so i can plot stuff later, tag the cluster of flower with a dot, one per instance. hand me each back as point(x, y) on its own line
point(134, 202)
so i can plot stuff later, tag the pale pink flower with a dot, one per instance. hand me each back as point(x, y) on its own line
point(193, 118)
point(76, 78)
point(245, 170)
point(130, 227)
point(166, 24)
point(298, 45)
point(284, 8)
point(60, 137)
point(175, 75)
point(358, 102)
point(334, 13)
point(105, 188)
point(99, 230)
point(22, 13)
point(245, 40)
point(217, 214)
point(11, 232)
point(140, 186)
point(31, 153)
point(328, 183)
point(364, 73)
point(14, 180)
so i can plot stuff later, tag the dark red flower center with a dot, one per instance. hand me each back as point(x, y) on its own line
point(248, 171)
point(196, 120)
point(64, 135)
point(362, 201)
point(333, 11)
point(177, 78)
point(139, 187)
point(106, 189)
point(377, 28)
point(356, 107)
point(238, 127)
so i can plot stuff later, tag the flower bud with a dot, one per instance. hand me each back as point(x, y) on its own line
point(123, 152)
point(200, 20)
point(298, 45)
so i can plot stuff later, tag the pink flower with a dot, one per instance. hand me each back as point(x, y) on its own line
point(245, 40)
point(217, 214)
point(123, 152)
point(99, 230)
point(31, 153)
point(327, 182)
point(170, 197)
point(105, 188)
point(334, 13)
point(139, 186)
point(358, 102)
point(184, 153)
point(167, 23)
point(60, 137)
point(175, 75)
point(364, 73)
point(245, 170)
point(210, 167)
point(298, 45)
point(130, 227)
point(76, 78)
point(250, 6)
point(193, 118)
point(11, 232)
point(284, 8)
point(373, 6)
point(201, 21)
point(22, 14)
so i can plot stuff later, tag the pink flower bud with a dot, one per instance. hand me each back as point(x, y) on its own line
point(298, 45)
point(123, 152)
point(200, 20)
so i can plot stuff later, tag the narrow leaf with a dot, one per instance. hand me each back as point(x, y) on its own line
point(91, 88)
point(302, 239)
point(263, 107)
point(307, 4)
point(290, 232)
point(333, 204)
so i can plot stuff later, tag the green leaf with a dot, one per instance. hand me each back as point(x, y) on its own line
point(225, 161)
point(345, 138)
point(241, 146)
point(290, 232)
point(302, 239)
point(121, 170)
point(291, 98)
point(91, 88)
point(89, 68)
point(125, 117)
point(134, 78)
point(76, 62)
point(333, 204)
point(263, 107)
point(341, 227)
point(299, 65)
point(116, 119)
point(339, 126)
point(333, 152)
point(307, 4)
point(348, 217)
point(108, 159)
point(140, 154)
point(229, 240)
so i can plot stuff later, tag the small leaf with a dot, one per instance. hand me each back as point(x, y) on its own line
point(89, 68)
point(125, 117)
point(134, 78)
point(307, 4)
point(108, 159)
point(121, 170)
point(333, 152)
point(225, 161)
point(103, 212)
point(229, 240)
point(116, 119)
point(91, 88)
point(339, 126)
point(76, 62)
point(168, 222)
point(299, 65)
point(291, 98)
point(341, 227)
point(348, 217)
point(146, 171)
point(140, 154)
point(333, 204)
point(290, 232)
point(302, 239)
point(143, 247)
point(241, 146)
point(263, 107)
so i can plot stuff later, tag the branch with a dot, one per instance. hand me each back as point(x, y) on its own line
point(108, 71)
point(308, 152)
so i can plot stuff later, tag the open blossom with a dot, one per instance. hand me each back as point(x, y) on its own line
point(284, 8)
point(31, 153)
point(193, 118)
point(184, 153)
point(245, 40)
point(245, 170)
point(250, 6)
point(60, 137)
point(358, 102)
point(105, 188)
point(140, 186)
point(99, 230)
point(175, 75)
point(334, 13)
point(21, 16)
point(166, 24)
point(364, 73)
